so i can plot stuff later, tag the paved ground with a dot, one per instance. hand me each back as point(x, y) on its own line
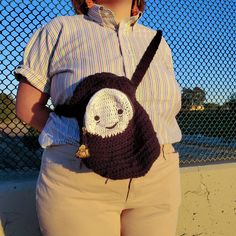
point(205, 150)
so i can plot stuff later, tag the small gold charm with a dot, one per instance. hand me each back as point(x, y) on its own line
point(83, 152)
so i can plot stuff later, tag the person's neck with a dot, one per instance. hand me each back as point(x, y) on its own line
point(120, 8)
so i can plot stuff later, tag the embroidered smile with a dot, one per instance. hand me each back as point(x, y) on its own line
point(113, 126)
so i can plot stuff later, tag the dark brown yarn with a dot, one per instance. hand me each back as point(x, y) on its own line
point(146, 59)
point(131, 153)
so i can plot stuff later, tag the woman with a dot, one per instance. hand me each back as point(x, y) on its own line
point(71, 199)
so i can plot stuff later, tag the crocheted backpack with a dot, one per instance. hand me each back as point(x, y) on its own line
point(117, 137)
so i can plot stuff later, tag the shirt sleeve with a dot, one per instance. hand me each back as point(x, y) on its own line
point(168, 58)
point(37, 58)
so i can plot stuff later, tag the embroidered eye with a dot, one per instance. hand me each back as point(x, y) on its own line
point(120, 111)
point(97, 118)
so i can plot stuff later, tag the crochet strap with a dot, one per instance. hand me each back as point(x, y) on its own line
point(146, 59)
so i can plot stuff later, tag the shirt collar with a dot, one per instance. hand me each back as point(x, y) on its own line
point(105, 17)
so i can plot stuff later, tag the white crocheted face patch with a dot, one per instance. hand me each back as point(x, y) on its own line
point(108, 113)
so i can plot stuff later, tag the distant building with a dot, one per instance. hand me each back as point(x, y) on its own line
point(197, 108)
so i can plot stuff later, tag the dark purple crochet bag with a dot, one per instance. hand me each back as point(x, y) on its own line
point(117, 137)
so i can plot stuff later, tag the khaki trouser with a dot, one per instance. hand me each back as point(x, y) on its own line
point(74, 201)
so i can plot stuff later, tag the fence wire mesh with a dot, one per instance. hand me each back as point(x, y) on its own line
point(201, 35)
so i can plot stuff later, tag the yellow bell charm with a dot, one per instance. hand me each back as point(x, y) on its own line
point(83, 152)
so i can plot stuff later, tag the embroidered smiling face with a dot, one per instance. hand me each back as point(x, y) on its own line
point(108, 113)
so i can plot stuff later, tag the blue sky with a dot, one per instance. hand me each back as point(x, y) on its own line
point(201, 34)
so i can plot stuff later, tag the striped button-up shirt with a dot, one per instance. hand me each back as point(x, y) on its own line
point(70, 48)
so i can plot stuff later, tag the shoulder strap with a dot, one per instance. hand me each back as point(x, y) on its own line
point(146, 59)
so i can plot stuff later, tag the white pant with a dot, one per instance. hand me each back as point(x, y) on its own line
point(74, 201)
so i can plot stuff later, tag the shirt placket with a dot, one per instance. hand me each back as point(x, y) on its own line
point(127, 50)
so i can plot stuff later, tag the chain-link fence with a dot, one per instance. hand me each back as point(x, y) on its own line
point(201, 34)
